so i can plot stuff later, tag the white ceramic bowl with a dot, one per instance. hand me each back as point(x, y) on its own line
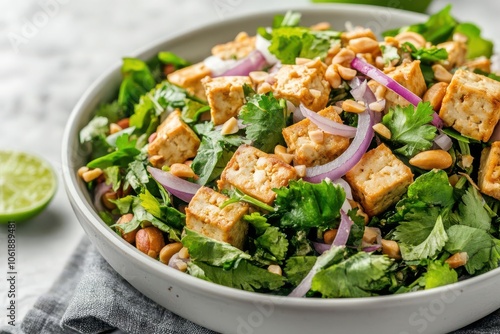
point(229, 310)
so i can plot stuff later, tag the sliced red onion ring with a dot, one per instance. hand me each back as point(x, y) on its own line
point(327, 124)
point(255, 61)
point(383, 79)
point(99, 191)
point(347, 188)
point(174, 259)
point(344, 229)
point(443, 141)
point(178, 187)
point(218, 66)
point(337, 168)
point(321, 247)
point(373, 248)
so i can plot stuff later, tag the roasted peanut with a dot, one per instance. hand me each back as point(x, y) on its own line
point(168, 251)
point(377, 106)
point(391, 249)
point(280, 149)
point(435, 95)
point(82, 170)
point(301, 61)
point(321, 26)
point(467, 160)
point(344, 57)
point(258, 77)
point(370, 235)
point(107, 198)
point(181, 265)
point(453, 179)
point(130, 236)
point(275, 269)
point(230, 127)
point(332, 76)
point(412, 37)
point(441, 74)
point(91, 174)
point(353, 106)
point(184, 253)
point(182, 170)
point(382, 130)
point(157, 160)
point(317, 136)
point(150, 241)
point(329, 236)
point(457, 260)
point(124, 123)
point(346, 73)
point(363, 45)
point(432, 159)
point(301, 170)
point(114, 128)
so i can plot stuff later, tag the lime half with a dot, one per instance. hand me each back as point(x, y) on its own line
point(27, 184)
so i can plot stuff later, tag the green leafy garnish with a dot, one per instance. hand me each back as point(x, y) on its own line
point(426, 55)
point(137, 80)
point(438, 274)
point(430, 247)
point(409, 127)
point(265, 117)
point(303, 205)
point(270, 243)
point(297, 267)
point(361, 275)
point(171, 58)
point(124, 154)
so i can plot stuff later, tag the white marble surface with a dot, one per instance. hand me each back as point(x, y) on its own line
point(47, 61)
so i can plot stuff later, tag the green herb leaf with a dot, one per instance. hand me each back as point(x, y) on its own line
point(438, 274)
point(265, 117)
point(211, 251)
point(171, 58)
point(124, 154)
point(433, 188)
point(245, 276)
point(472, 212)
point(426, 55)
point(476, 45)
point(137, 80)
point(361, 275)
point(297, 267)
point(271, 244)
point(303, 205)
point(409, 127)
point(98, 126)
point(430, 247)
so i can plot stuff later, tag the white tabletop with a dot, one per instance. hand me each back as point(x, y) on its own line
point(50, 54)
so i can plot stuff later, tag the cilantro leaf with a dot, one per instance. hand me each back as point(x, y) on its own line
point(482, 249)
point(409, 127)
point(430, 247)
point(244, 276)
point(300, 244)
point(265, 117)
point(171, 58)
point(433, 188)
point(438, 274)
point(98, 126)
point(303, 205)
point(112, 111)
point(124, 154)
point(471, 211)
point(361, 275)
point(426, 55)
point(211, 251)
point(297, 267)
point(214, 152)
point(417, 221)
point(137, 80)
point(271, 244)
point(476, 45)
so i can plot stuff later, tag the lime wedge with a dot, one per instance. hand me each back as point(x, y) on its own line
point(27, 184)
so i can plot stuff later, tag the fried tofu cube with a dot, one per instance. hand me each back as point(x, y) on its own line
point(481, 63)
point(205, 216)
point(256, 173)
point(410, 76)
point(489, 171)
point(225, 96)
point(190, 77)
point(379, 180)
point(303, 83)
point(175, 141)
point(471, 105)
point(302, 141)
point(457, 54)
point(237, 49)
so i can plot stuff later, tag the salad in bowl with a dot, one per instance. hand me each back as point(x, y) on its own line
point(308, 162)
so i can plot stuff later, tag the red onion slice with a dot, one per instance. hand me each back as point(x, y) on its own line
point(218, 66)
point(255, 61)
point(383, 79)
point(321, 247)
point(443, 141)
point(347, 188)
point(99, 191)
point(373, 248)
point(344, 229)
point(327, 124)
point(178, 187)
point(337, 168)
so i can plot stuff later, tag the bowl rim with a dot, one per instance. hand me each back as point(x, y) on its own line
point(195, 284)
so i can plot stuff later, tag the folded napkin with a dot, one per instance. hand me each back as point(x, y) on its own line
point(90, 297)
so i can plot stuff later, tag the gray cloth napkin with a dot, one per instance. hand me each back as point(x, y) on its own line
point(90, 297)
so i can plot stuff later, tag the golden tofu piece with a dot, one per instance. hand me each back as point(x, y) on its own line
point(237, 49)
point(457, 54)
point(306, 150)
point(256, 173)
point(410, 76)
point(471, 105)
point(303, 83)
point(175, 142)
point(225, 96)
point(489, 171)
point(190, 77)
point(379, 180)
point(205, 216)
